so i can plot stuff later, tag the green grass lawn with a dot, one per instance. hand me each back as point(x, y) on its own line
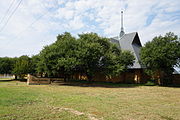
point(19, 101)
point(5, 78)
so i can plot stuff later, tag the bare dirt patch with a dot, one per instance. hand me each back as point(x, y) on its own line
point(90, 116)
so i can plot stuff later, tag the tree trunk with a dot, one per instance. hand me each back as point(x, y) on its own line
point(89, 78)
point(15, 77)
point(65, 78)
point(160, 77)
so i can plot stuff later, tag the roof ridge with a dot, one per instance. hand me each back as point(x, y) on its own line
point(131, 33)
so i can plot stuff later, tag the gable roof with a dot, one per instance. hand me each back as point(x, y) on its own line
point(176, 72)
point(132, 43)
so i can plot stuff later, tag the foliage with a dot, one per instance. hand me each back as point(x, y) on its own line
point(17, 66)
point(59, 57)
point(34, 61)
point(99, 55)
point(161, 54)
point(23, 65)
point(6, 65)
point(88, 54)
point(92, 48)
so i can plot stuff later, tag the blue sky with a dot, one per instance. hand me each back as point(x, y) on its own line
point(36, 23)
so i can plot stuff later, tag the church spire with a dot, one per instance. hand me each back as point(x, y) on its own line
point(122, 29)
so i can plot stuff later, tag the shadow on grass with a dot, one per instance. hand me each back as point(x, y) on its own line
point(20, 80)
point(81, 83)
point(99, 84)
point(6, 80)
point(172, 86)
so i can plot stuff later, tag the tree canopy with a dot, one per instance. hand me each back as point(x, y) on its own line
point(99, 55)
point(6, 65)
point(162, 53)
point(88, 54)
point(23, 65)
point(59, 57)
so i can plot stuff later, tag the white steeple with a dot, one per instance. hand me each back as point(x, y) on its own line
point(122, 29)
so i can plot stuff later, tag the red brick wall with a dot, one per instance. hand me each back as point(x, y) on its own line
point(131, 76)
point(176, 79)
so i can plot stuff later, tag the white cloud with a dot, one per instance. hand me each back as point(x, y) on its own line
point(76, 23)
point(37, 22)
point(2, 37)
point(65, 13)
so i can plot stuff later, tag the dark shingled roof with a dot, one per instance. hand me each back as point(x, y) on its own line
point(132, 43)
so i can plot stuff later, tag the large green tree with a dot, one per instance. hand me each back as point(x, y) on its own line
point(88, 54)
point(23, 65)
point(161, 55)
point(99, 55)
point(34, 63)
point(59, 57)
point(6, 65)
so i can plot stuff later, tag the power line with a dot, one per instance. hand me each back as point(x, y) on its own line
point(10, 16)
point(7, 11)
point(30, 25)
point(37, 19)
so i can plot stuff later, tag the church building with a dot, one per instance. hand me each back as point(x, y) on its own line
point(135, 73)
point(132, 43)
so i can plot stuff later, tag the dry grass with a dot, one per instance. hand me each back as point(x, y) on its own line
point(22, 102)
